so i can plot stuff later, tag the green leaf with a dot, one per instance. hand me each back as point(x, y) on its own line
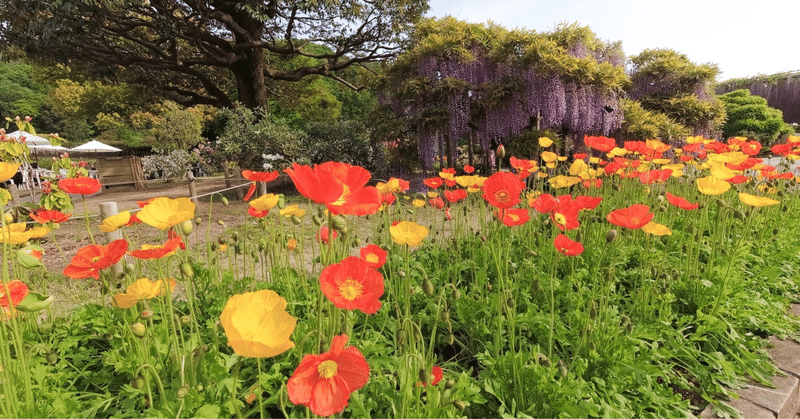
point(207, 411)
point(34, 302)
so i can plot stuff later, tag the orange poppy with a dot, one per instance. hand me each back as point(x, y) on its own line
point(469, 169)
point(80, 185)
point(373, 255)
point(433, 182)
point(544, 203)
point(18, 291)
point(158, 251)
point(323, 233)
point(633, 217)
point(257, 177)
point(455, 195)
point(324, 382)
point(352, 284)
point(256, 212)
point(340, 186)
point(436, 376)
point(92, 258)
point(436, 202)
point(588, 202)
point(567, 247)
point(681, 202)
point(502, 190)
point(49, 216)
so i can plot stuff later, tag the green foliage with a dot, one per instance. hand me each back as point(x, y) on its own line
point(248, 134)
point(640, 124)
point(750, 116)
point(342, 141)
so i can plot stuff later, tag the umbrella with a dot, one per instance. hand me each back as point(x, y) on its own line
point(30, 139)
point(96, 147)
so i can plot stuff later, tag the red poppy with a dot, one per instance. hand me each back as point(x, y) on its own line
point(565, 216)
point(588, 202)
point(455, 195)
point(450, 183)
point(545, 203)
point(323, 233)
point(324, 382)
point(751, 148)
point(655, 176)
point(603, 144)
point(388, 199)
point(373, 255)
point(523, 165)
point(738, 179)
point(436, 202)
point(352, 284)
point(257, 213)
point(567, 247)
point(437, 375)
point(681, 202)
point(340, 186)
point(49, 216)
point(782, 149)
point(502, 190)
point(579, 156)
point(717, 147)
point(513, 216)
point(92, 258)
point(18, 291)
point(450, 170)
point(257, 177)
point(158, 251)
point(433, 182)
point(469, 169)
point(633, 217)
point(592, 183)
point(635, 146)
point(134, 220)
point(80, 185)
point(171, 234)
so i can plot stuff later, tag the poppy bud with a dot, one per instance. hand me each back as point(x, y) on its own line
point(52, 358)
point(510, 303)
point(611, 235)
point(9, 217)
point(186, 270)
point(137, 383)
point(722, 203)
point(444, 315)
point(424, 376)
point(339, 223)
point(449, 384)
point(660, 198)
point(427, 287)
point(562, 369)
point(701, 205)
point(775, 232)
point(532, 253)
point(738, 215)
point(593, 310)
point(183, 392)
point(615, 187)
point(459, 405)
point(535, 286)
point(456, 294)
point(483, 238)
point(146, 314)
point(401, 274)
point(488, 286)
point(662, 209)
point(199, 387)
point(501, 151)
point(543, 360)
point(187, 227)
point(450, 339)
point(296, 220)
point(316, 220)
point(120, 275)
point(281, 201)
point(198, 220)
point(220, 222)
point(138, 330)
point(186, 320)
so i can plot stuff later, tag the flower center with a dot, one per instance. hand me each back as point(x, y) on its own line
point(95, 259)
point(560, 219)
point(502, 195)
point(372, 258)
point(327, 369)
point(351, 289)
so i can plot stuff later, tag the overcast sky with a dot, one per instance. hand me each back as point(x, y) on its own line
point(744, 38)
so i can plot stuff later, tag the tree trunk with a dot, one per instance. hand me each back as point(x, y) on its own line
point(250, 81)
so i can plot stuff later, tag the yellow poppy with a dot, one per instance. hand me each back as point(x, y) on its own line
point(446, 175)
point(265, 202)
point(418, 203)
point(16, 234)
point(756, 201)
point(5, 196)
point(562, 181)
point(432, 194)
point(549, 156)
point(257, 324)
point(8, 170)
point(293, 210)
point(656, 229)
point(393, 185)
point(407, 232)
point(472, 181)
point(141, 289)
point(617, 152)
point(722, 172)
point(545, 142)
point(711, 185)
point(577, 167)
point(733, 157)
point(115, 221)
point(163, 213)
point(695, 139)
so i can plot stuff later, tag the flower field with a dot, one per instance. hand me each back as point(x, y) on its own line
point(633, 280)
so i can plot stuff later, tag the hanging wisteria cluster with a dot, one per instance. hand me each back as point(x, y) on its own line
point(781, 91)
point(462, 84)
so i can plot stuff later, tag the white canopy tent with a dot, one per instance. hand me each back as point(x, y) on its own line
point(94, 146)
